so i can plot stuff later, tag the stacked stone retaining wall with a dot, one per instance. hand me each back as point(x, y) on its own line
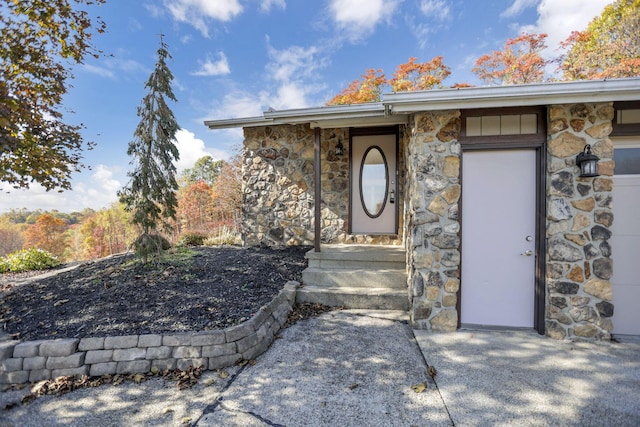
point(32, 361)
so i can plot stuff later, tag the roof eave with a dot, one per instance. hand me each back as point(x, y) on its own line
point(516, 95)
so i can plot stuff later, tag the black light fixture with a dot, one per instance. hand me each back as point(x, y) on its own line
point(588, 162)
point(339, 148)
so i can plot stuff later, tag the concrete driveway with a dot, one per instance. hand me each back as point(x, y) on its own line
point(357, 368)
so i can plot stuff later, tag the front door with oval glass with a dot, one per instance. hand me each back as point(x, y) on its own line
point(374, 184)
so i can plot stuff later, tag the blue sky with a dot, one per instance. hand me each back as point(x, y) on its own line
point(237, 58)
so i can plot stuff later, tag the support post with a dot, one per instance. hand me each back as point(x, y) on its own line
point(318, 188)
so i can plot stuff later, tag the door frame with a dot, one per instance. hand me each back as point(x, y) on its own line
point(375, 131)
point(535, 142)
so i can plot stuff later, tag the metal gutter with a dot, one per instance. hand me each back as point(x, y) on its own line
point(514, 95)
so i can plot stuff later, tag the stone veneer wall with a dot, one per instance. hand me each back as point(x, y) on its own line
point(579, 264)
point(433, 241)
point(33, 361)
point(278, 187)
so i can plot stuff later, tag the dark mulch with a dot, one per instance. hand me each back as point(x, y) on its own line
point(209, 288)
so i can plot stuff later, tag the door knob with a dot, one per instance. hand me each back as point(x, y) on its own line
point(527, 253)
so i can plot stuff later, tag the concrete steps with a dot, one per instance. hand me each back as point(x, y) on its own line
point(358, 276)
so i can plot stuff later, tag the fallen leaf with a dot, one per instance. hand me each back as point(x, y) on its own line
point(186, 420)
point(419, 388)
point(209, 382)
point(223, 374)
point(353, 386)
point(60, 302)
point(432, 371)
point(137, 378)
point(48, 297)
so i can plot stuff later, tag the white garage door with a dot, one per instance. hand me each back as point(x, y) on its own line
point(625, 241)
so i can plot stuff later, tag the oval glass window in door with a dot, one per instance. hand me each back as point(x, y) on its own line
point(374, 181)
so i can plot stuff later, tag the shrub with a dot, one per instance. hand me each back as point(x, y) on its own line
point(192, 239)
point(28, 260)
point(150, 245)
point(224, 236)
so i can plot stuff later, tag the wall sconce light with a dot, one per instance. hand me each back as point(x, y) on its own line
point(339, 148)
point(587, 162)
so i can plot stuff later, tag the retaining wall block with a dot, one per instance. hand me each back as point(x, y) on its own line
point(27, 349)
point(176, 340)
point(98, 356)
point(70, 372)
point(106, 368)
point(133, 367)
point(238, 332)
point(258, 319)
point(224, 361)
point(75, 360)
point(187, 352)
point(164, 364)
point(30, 363)
point(11, 365)
point(17, 377)
point(125, 341)
point(150, 340)
point(162, 352)
point(6, 349)
point(257, 349)
point(36, 375)
point(91, 343)
point(247, 342)
point(128, 354)
point(184, 364)
point(281, 314)
point(59, 348)
point(219, 350)
point(208, 338)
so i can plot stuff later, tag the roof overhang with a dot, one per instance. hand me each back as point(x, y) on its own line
point(396, 107)
point(356, 115)
point(514, 95)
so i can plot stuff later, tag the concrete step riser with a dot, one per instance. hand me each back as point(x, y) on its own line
point(350, 300)
point(357, 265)
point(391, 279)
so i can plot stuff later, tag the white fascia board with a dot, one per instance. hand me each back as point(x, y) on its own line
point(236, 123)
point(336, 112)
point(515, 95)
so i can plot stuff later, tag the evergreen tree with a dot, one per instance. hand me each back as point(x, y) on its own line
point(151, 192)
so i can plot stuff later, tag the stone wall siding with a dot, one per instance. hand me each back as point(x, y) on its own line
point(579, 218)
point(433, 228)
point(278, 188)
point(32, 361)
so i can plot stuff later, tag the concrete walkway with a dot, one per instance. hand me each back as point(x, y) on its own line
point(356, 367)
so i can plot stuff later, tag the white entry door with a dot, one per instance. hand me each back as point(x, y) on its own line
point(625, 241)
point(498, 238)
point(373, 184)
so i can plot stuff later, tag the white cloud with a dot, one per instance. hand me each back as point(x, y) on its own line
point(358, 18)
point(266, 5)
point(100, 71)
point(192, 148)
point(517, 7)
point(294, 62)
point(198, 12)
point(113, 68)
point(210, 68)
point(438, 9)
point(559, 18)
point(99, 191)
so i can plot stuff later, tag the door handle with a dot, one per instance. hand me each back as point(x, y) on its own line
point(392, 196)
point(527, 253)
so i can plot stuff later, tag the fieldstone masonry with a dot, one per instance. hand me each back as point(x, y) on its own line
point(579, 217)
point(433, 241)
point(278, 187)
point(33, 361)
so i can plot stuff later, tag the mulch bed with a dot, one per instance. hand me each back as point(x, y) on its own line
point(209, 288)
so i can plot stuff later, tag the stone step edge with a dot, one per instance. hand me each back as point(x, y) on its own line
point(32, 361)
point(352, 290)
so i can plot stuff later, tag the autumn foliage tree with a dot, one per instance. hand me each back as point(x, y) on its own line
point(412, 75)
point(608, 48)
point(227, 193)
point(519, 62)
point(40, 42)
point(48, 233)
point(360, 91)
point(194, 208)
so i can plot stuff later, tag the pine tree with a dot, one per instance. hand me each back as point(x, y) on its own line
point(151, 192)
